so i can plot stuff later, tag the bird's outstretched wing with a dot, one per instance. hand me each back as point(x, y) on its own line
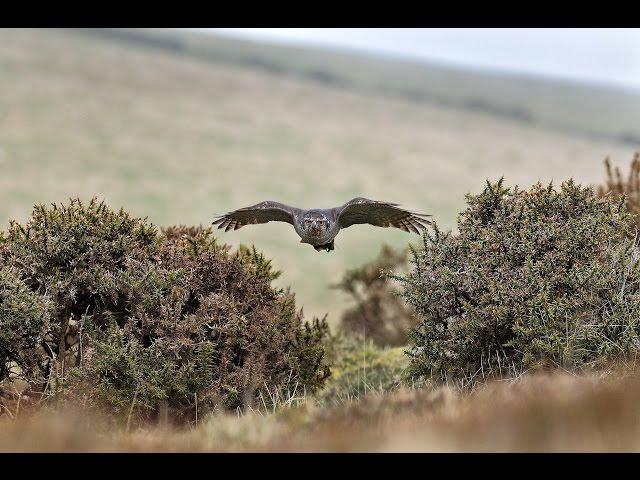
point(380, 214)
point(262, 212)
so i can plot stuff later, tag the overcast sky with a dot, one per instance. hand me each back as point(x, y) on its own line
point(606, 56)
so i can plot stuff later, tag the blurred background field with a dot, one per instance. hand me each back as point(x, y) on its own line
point(179, 126)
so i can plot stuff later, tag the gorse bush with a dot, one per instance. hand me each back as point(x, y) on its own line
point(538, 278)
point(123, 316)
point(379, 313)
point(77, 257)
point(24, 316)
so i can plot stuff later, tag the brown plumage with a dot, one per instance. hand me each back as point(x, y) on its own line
point(319, 227)
point(381, 214)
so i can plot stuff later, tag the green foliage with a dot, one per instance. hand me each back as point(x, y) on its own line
point(546, 277)
point(379, 314)
point(24, 316)
point(359, 366)
point(142, 318)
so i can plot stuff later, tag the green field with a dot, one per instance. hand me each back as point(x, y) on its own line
point(179, 127)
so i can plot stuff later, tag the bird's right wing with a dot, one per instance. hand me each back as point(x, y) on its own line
point(262, 212)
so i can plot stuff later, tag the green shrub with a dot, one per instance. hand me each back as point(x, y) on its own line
point(142, 318)
point(24, 316)
point(359, 367)
point(379, 313)
point(539, 278)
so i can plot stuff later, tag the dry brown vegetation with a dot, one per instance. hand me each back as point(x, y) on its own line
point(378, 313)
point(627, 186)
point(545, 413)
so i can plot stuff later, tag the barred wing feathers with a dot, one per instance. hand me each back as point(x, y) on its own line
point(262, 212)
point(381, 214)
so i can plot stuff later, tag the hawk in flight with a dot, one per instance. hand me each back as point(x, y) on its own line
point(319, 227)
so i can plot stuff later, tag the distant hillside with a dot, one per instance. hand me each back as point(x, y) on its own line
point(179, 137)
point(595, 112)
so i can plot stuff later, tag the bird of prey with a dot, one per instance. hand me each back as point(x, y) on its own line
point(318, 227)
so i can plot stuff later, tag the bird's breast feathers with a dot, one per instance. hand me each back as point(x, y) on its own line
point(317, 238)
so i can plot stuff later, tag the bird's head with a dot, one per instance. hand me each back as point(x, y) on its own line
point(316, 223)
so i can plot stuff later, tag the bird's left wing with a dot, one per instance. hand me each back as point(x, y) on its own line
point(380, 214)
point(262, 212)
